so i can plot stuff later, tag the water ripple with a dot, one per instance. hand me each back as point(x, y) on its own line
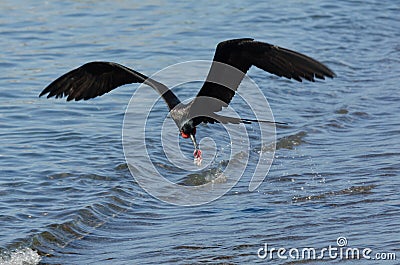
point(66, 193)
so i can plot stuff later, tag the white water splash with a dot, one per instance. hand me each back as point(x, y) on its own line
point(25, 256)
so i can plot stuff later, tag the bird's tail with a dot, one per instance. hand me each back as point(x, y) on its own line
point(248, 121)
point(224, 119)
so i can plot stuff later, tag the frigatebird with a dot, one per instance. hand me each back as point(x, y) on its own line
point(237, 55)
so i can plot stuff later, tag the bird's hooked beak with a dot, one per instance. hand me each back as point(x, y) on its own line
point(196, 146)
point(197, 152)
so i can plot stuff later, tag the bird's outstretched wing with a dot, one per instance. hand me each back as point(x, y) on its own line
point(97, 78)
point(241, 54)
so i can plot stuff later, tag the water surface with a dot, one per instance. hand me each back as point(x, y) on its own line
point(67, 196)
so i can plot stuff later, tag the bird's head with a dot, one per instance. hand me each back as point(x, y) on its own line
point(188, 130)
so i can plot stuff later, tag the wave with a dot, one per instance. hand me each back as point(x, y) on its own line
point(354, 190)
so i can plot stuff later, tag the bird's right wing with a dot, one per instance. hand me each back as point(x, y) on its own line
point(97, 78)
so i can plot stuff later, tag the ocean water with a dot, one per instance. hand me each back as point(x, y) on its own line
point(67, 195)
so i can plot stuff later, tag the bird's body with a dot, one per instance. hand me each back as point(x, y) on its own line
point(232, 59)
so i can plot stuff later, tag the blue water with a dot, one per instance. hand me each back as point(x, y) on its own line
point(67, 195)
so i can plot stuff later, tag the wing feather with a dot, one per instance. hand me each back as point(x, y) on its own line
point(244, 53)
point(94, 79)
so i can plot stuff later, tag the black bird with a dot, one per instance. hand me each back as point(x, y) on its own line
point(232, 59)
